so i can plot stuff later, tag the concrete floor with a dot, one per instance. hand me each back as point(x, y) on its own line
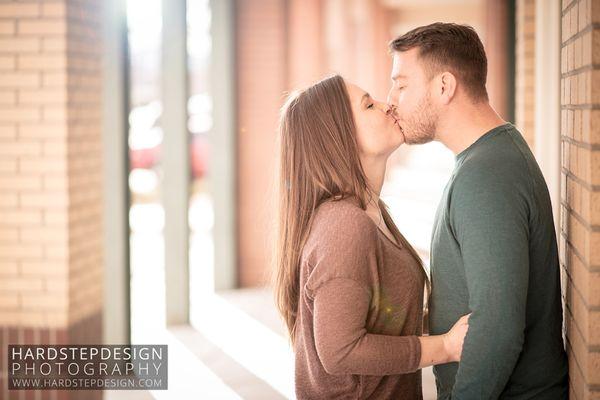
point(207, 364)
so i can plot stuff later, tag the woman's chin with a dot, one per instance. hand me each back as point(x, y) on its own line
point(399, 142)
point(401, 133)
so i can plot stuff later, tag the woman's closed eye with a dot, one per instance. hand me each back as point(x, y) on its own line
point(370, 105)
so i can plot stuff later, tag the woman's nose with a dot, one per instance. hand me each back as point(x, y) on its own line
point(390, 96)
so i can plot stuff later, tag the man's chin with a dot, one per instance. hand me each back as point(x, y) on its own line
point(416, 139)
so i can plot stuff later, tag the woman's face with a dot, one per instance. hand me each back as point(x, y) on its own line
point(377, 131)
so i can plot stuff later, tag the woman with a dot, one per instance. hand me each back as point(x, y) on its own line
point(348, 285)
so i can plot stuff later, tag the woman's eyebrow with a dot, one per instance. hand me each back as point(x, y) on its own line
point(364, 96)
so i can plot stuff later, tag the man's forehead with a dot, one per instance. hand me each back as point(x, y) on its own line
point(403, 62)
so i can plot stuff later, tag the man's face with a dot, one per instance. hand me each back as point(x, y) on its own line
point(411, 96)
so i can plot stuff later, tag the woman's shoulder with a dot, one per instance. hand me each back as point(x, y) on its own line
point(340, 224)
point(342, 243)
point(343, 215)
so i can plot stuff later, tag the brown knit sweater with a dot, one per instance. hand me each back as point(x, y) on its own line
point(360, 311)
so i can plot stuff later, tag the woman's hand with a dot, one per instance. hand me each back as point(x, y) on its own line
point(454, 338)
point(442, 349)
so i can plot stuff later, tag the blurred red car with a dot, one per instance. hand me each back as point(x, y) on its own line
point(145, 139)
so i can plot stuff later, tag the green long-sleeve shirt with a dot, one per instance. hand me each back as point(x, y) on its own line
point(494, 253)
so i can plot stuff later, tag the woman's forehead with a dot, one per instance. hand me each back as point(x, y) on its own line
point(354, 92)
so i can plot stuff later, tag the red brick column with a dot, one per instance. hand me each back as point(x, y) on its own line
point(261, 36)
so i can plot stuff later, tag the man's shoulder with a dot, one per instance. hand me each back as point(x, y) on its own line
point(501, 159)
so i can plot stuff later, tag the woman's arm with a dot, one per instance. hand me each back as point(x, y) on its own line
point(340, 310)
point(441, 349)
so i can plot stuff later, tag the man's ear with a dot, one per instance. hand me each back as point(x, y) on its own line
point(447, 87)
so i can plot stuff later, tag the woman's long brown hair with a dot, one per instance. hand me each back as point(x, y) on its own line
point(318, 161)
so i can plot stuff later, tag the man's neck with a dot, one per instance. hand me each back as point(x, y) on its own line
point(463, 127)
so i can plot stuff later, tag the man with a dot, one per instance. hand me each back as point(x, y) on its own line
point(493, 250)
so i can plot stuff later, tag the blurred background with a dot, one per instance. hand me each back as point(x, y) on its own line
point(274, 47)
point(137, 162)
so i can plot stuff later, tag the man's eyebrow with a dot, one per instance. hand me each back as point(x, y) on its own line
point(398, 76)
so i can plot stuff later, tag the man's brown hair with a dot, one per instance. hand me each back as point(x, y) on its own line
point(451, 47)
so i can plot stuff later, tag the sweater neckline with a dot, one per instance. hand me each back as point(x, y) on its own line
point(397, 245)
point(379, 230)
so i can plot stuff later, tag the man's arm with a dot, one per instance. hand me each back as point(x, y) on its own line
point(489, 215)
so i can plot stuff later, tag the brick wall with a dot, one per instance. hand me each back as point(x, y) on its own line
point(525, 69)
point(50, 176)
point(580, 192)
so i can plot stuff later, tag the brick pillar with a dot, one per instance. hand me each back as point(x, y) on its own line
point(370, 22)
point(261, 69)
point(50, 177)
point(496, 42)
point(356, 39)
point(580, 192)
point(525, 69)
point(305, 47)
